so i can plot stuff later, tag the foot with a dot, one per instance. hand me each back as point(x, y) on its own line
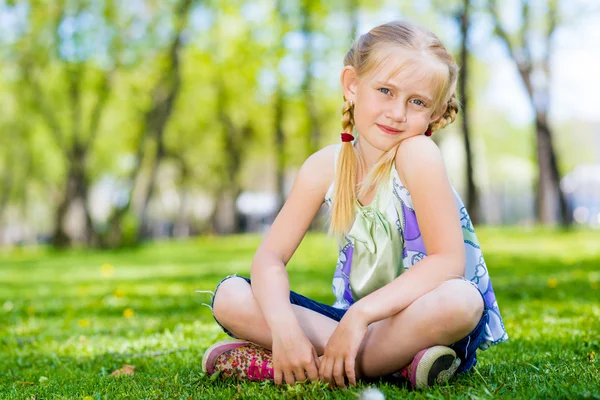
point(436, 364)
point(239, 359)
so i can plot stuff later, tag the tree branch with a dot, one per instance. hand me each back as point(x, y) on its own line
point(498, 29)
point(523, 35)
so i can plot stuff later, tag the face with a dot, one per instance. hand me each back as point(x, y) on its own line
point(389, 110)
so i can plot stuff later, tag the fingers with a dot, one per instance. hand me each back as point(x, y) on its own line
point(316, 358)
point(278, 377)
point(350, 371)
point(289, 377)
point(300, 375)
point(326, 371)
point(338, 373)
point(312, 370)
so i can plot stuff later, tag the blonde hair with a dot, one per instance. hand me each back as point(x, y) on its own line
point(364, 57)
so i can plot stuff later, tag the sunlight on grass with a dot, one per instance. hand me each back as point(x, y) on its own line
point(70, 319)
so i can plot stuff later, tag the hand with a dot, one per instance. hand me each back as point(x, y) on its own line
point(341, 350)
point(294, 358)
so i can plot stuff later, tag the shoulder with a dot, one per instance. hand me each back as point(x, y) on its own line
point(418, 156)
point(318, 171)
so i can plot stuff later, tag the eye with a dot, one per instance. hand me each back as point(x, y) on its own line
point(386, 89)
point(419, 102)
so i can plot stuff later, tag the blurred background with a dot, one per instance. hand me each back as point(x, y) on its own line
point(128, 120)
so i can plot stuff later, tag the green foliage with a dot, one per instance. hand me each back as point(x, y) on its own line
point(63, 318)
point(232, 53)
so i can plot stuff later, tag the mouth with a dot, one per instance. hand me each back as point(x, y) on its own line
point(388, 130)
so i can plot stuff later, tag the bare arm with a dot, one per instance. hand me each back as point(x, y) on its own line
point(435, 206)
point(293, 354)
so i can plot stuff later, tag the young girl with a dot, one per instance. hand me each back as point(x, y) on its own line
point(413, 296)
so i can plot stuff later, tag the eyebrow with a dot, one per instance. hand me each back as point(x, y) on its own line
point(387, 83)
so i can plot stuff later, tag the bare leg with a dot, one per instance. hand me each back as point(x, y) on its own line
point(440, 317)
point(237, 310)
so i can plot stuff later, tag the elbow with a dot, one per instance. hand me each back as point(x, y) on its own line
point(265, 259)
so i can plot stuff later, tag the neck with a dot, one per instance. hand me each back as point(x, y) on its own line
point(369, 154)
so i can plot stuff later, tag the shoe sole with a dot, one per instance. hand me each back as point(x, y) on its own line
point(209, 357)
point(437, 365)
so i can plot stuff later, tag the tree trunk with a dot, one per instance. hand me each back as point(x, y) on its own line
point(225, 218)
point(235, 139)
point(552, 205)
point(472, 194)
point(165, 95)
point(279, 136)
point(313, 138)
point(353, 6)
point(279, 149)
point(155, 122)
point(60, 237)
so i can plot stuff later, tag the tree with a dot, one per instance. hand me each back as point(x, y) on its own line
point(551, 201)
point(151, 135)
point(472, 193)
point(75, 134)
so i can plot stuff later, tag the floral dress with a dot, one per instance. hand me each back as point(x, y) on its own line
point(385, 240)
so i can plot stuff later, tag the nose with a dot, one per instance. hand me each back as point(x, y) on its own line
point(397, 112)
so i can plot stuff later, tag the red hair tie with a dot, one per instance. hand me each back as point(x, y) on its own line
point(346, 137)
point(428, 132)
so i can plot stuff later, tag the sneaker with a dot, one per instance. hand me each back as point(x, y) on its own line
point(436, 364)
point(239, 359)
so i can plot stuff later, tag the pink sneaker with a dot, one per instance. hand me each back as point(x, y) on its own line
point(436, 364)
point(239, 359)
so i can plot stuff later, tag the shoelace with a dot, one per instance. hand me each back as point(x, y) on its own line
point(259, 372)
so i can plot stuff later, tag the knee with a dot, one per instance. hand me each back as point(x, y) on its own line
point(459, 306)
point(230, 298)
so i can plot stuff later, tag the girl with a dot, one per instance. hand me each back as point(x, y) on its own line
point(413, 296)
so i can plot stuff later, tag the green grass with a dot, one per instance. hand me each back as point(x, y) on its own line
point(63, 328)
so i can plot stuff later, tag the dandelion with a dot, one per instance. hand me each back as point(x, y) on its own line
point(128, 313)
point(83, 323)
point(107, 270)
point(552, 283)
point(118, 293)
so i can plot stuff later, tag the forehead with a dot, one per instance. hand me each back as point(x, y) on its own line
point(409, 70)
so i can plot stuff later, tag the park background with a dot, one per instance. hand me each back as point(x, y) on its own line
point(146, 146)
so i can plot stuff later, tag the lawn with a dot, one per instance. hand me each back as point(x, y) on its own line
point(69, 319)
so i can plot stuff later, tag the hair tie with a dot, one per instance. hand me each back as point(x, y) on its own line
point(428, 132)
point(346, 137)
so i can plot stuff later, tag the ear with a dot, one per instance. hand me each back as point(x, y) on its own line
point(349, 80)
point(439, 114)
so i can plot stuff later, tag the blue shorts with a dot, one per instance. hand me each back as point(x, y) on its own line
point(466, 348)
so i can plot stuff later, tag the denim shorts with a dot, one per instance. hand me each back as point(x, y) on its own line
point(466, 348)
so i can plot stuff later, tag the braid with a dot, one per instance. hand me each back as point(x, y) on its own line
point(347, 117)
point(342, 211)
point(449, 116)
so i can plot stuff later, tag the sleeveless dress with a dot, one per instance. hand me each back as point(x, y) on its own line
point(385, 240)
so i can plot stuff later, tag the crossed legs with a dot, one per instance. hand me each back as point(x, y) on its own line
point(441, 317)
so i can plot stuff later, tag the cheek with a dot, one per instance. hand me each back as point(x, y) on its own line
point(421, 118)
point(369, 108)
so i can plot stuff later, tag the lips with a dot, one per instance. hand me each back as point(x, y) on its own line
point(388, 130)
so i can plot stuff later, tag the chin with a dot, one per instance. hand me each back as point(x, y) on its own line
point(387, 143)
point(380, 142)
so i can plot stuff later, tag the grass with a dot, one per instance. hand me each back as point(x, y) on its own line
point(69, 319)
